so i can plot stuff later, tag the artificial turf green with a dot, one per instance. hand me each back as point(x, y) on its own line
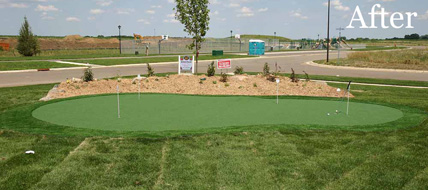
point(161, 112)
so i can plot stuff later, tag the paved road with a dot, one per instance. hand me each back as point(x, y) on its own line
point(285, 60)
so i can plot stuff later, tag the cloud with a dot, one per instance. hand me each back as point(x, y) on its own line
point(423, 16)
point(337, 5)
point(172, 20)
point(124, 11)
point(46, 8)
point(298, 14)
point(156, 6)
point(150, 12)
point(18, 5)
point(96, 11)
point(234, 5)
point(45, 16)
point(171, 1)
point(144, 21)
point(72, 19)
point(263, 9)
point(245, 12)
point(172, 15)
point(104, 3)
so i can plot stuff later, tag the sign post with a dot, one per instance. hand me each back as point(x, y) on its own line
point(186, 64)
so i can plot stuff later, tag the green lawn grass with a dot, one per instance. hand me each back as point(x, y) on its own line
point(68, 54)
point(7, 66)
point(280, 158)
point(412, 59)
point(108, 62)
point(378, 48)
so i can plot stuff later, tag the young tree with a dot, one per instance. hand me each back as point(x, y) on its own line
point(27, 42)
point(194, 15)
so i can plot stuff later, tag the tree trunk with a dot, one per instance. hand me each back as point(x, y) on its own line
point(197, 58)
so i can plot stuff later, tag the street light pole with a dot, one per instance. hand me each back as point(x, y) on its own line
point(328, 33)
point(274, 42)
point(231, 34)
point(120, 41)
point(339, 42)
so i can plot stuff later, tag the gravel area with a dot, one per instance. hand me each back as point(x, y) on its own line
point(250, 85)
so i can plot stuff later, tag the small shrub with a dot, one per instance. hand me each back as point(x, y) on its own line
point(293, 76)
point(266, 69)
point(214, 82)
point(226, 84)
point(1, 48)
point(150, 71)
point(211, 69)
point(271, 78)
point(223, 77)
point(88, 75)
point(307, 77)
point(255, 85)
point(239, 70)
point(201, 82)
point(156, 79)
point(241, 87)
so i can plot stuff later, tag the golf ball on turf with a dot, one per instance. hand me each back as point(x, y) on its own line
point(328, 113)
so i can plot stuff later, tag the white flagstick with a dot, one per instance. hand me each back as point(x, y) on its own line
point(139, 86)
point(118, 103)
point(347, 108)
point(277, 91)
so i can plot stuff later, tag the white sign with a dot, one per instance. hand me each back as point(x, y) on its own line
point(186, 64)
point(277, 80)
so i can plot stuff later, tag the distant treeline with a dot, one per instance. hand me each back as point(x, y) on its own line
point(406, 37)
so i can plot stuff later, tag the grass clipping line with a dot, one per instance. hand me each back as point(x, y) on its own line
point(193, 85)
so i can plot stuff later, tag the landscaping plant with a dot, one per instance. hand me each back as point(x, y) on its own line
point(266, 69)
point(150, 70)
point(195, 16)
point(223, 77)
point(88, 75)
point(293, 76)
point(27, 42)
point(239, 70)
point(211, 69)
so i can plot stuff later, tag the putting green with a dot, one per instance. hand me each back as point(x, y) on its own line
point(160, 112)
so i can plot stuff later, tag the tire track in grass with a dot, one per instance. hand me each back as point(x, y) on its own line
point(163, 162)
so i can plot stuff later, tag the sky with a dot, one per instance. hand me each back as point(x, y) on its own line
point(289, 18)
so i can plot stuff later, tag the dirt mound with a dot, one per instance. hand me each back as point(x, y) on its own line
point(182, 84)
point(73, 37)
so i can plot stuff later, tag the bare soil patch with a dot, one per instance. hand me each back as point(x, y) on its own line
point(250, 85)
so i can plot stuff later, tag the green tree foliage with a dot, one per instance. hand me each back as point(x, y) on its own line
point(28, 44)
point(194, 15)
point(412, 36)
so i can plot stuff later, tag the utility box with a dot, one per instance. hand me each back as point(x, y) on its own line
point(217, 52)
point(257, 47)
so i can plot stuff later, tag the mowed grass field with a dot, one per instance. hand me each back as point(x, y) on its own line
point(276, 158)
point(108, 62)
point(414, 59)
